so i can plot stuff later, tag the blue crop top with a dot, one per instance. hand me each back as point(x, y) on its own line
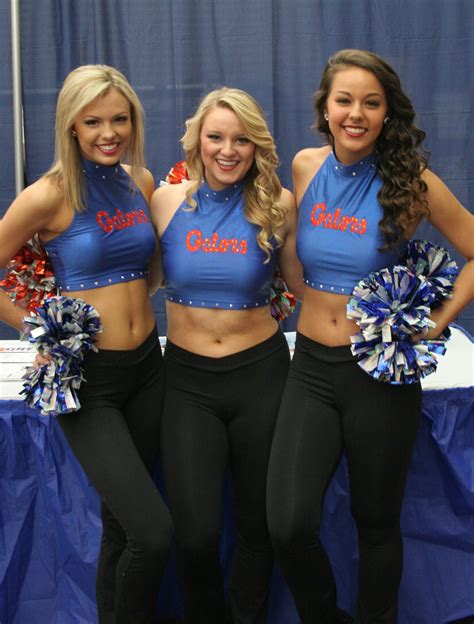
point(211, 257)
point(338, 236)
point(112, 241)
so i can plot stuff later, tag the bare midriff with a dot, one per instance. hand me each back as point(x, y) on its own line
point(217, 333)
point(125, 313)
point(323, 318)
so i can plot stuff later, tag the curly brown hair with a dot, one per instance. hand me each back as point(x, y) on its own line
point(401, 160)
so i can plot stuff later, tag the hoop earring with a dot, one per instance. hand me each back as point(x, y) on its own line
point(326, 116)
point(386, 120)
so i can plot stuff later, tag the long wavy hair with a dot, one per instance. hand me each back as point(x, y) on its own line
point(401, 160)
point(83, 85)
point(262, 187)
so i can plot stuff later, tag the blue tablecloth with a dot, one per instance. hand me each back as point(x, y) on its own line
point(49, 524)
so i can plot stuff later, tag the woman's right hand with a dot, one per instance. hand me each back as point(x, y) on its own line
point(41, 360)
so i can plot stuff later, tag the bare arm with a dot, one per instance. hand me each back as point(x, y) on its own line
point(148, 185)
point(9, 313)
point(163, 204)
point(32, 211)
point(155, 277)
point(463, 295)
point(288, 260)
point(304, 167)
point(457, 225)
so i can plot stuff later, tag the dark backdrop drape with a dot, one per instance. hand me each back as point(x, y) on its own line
point(174, 51)
point(7, 165)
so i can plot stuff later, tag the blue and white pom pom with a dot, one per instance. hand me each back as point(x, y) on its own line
point(436, 265)
point(390, 306)
point(64, 329)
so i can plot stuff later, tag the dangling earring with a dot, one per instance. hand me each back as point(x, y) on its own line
point(74, 133)
point(386, 120)
point(326, 116)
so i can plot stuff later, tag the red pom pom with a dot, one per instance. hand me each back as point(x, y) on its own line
point(29, 277)
point(177, 173)
point(282, 302)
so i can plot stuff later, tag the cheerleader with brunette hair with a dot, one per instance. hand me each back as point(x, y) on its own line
point(361, 198)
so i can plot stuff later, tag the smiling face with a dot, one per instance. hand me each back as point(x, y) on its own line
point(104, 128)
point(226, 151)
point(356, 106)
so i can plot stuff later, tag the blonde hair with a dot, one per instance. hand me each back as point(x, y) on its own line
point(81, 87)
point(262, 187)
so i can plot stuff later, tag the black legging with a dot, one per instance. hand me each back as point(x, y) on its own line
point(115, 437)
point(330, 406)
point(221, 411)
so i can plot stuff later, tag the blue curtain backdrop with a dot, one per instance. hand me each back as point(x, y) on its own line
point(174, 51)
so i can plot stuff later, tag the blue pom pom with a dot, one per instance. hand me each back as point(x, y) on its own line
point(390, 306)
point(436, 265)
point(64, 329)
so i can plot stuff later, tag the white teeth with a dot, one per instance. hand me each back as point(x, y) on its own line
point(352, 130)
point(227, 163)
point(108, 148)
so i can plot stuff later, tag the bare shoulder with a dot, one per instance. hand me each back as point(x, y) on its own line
point(287, 199)
point(33, 211)
point(305, 165)
point(310, 158)
point(170, 192)
point(147, 183)
point(448, 215)
point(42, 199)
point(164, 203)
point(438, 195)
point(431, 178)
